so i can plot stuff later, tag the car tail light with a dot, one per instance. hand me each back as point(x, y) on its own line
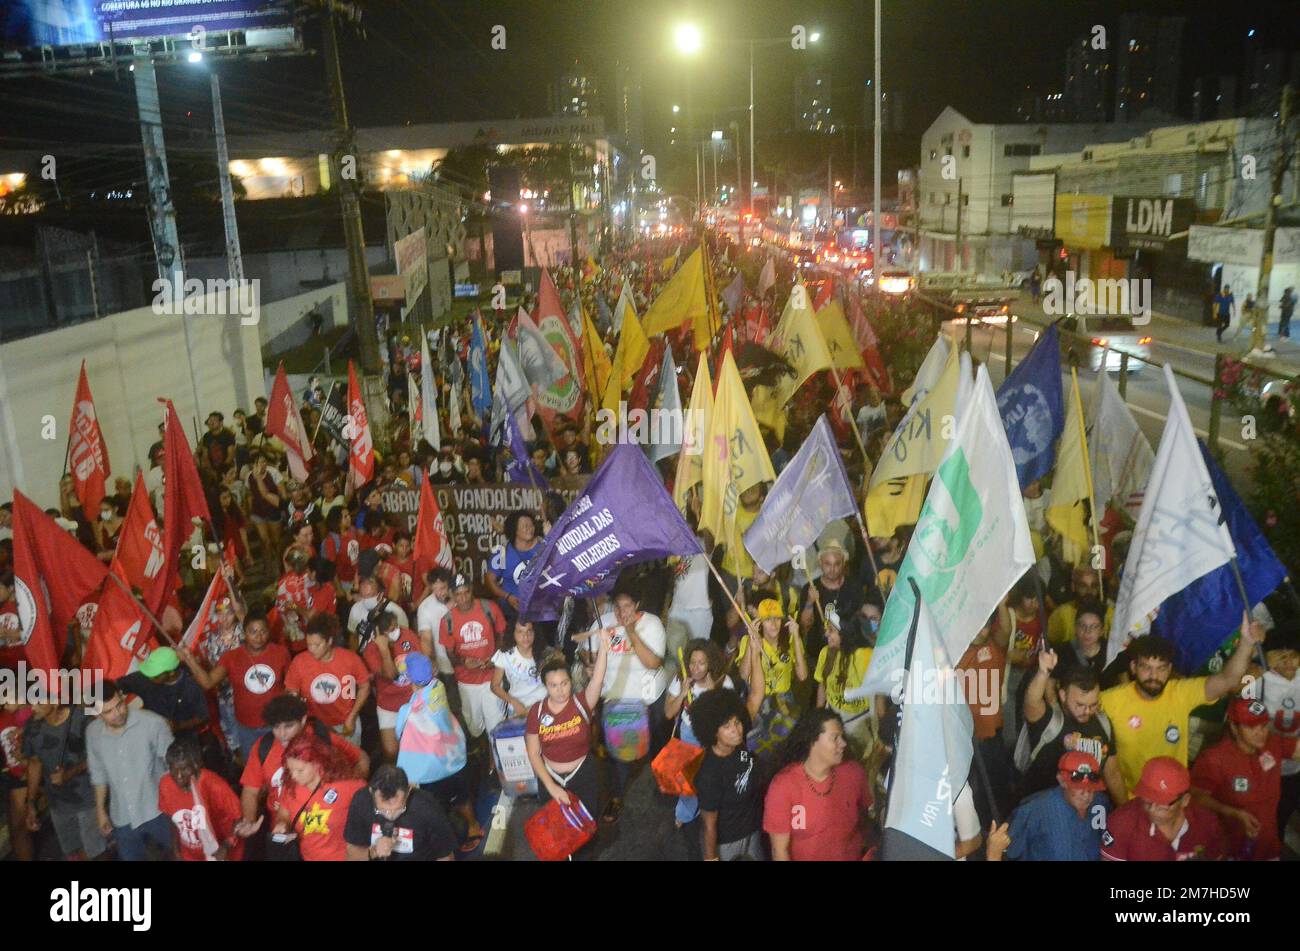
point(1144, 340)
point(1005, 309)
point(1100, 341)
point(961, 308)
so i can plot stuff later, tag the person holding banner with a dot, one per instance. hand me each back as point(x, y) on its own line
point(782, 662)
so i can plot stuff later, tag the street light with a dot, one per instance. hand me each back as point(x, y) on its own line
point(688, 38)
point(677, 108)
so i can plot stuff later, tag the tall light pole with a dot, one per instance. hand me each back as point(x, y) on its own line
point(875, 197)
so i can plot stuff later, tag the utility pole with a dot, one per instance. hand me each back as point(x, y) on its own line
point(877, 253)
point(1280, 164)
point(360, 303)
point(957, 242)
point(740, 211)
point(234, 256)
point(830, 192)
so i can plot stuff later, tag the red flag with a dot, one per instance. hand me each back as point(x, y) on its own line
point(646, 382)
point(284, 423)
point(140, 543)
point(122, 635)
point(565, 397)
point(869, 344)
point(53, 577)
point(205, 620)
point(361, 458)
point(432, 546)
point(824, 291)
point(183, 501)
point(230, 555)
point(756, 322)
point(87, 453)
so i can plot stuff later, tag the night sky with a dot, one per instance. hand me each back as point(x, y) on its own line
point(420, 61)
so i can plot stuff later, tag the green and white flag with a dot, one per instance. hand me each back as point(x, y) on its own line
point(971, 542)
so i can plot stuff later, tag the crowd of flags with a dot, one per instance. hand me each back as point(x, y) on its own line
point(954, 467)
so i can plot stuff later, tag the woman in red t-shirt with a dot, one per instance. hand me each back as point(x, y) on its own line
point(316, 796)
point(558, 731)
point(13, 775)
point(202, 807)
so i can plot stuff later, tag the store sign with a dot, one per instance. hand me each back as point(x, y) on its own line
point(1083, 222)
point(1243, 246)
point(1147, 224)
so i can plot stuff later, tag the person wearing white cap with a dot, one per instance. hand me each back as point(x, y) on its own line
point(471, 633)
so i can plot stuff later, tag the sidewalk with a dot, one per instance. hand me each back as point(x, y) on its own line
point(1189, 334)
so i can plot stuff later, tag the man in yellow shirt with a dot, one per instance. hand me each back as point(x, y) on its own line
point(1149, 715)
point(1085, 583)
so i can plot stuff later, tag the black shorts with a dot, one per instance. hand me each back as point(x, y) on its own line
point(450, 791)
point(9, 783)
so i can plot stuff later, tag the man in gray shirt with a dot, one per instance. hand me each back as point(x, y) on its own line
point(126, 749)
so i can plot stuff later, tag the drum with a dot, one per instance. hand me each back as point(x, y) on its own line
point(511, 756)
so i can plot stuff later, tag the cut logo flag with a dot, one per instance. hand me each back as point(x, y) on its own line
point(1121, 455)
point(205, 619)
point(87, 453)
point(361, 454)
point(934, 745)
point(811, 492)
point(971, 542)
point(285, 424)
point(919, 443)
point(54, 575)
point(1204, 614)
point(623, 517)
point(1032, 405)
point(1181, 533)
point(140, 542)
point(183, 501)
point(690, 464)
point(122, 636)
point(432, 546)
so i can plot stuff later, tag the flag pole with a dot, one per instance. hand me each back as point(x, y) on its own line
point(853, 423)
point(140, 604)
point(1245, 599)
point(1087, 475)
point(316, 431)
point(898, 731)
point(723, 585)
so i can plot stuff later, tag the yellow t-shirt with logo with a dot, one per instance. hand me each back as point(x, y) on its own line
point(853, 677)
point(1145, 729)
point(778, 667)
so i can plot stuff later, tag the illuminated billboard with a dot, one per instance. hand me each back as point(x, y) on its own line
point(35, 23)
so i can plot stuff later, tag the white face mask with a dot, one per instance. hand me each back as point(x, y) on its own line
point(444, 466)
point(106, 516)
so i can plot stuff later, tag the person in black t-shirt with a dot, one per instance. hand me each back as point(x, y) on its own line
point(1076, 723)
point(836, 586)
point(731, 806)
point(392, 821)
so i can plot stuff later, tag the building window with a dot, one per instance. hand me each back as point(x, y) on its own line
point(1174, 184)
point(934, 154)
point(1008, 201)
point(965, 200)
point(965, 151)
point(1021, 149)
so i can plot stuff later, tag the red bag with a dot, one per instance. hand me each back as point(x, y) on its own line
point(676, 765)
point(556, 831)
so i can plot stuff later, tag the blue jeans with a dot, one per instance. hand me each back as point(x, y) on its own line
point(246, 737)
point(688, 807)
point(131, 842)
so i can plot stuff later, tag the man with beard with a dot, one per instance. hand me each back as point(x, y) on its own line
point(1150, 713)
point(1240, 778)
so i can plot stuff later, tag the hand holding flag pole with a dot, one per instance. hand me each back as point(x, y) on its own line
point(140, 604)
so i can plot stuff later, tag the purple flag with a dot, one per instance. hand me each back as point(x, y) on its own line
point(733, 294)
point(521, 467)
point(624, 516)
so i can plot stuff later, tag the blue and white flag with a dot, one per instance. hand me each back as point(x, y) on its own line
point(479, 381)
point(1032, 404)
point(624, 516)
point(1203, 615)
point(1181, 532)
point(510, 396)
point(935, 744)
point(811, 492)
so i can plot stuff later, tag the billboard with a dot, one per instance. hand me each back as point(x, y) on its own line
point(35, 23)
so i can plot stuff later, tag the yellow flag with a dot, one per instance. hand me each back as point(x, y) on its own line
point(682, 299)
point(799, 339)
point(690, 461)
point(595, 361)
point(1072, 483)
point(919, 442)
point(894, 503)
point(630, 352)
point(769, 409)
point(735, 457)
point(839, 337)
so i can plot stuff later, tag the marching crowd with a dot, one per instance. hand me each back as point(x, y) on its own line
point(347, 704)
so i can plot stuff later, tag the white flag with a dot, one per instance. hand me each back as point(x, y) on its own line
point(625, 303)
point(1121, 455)
point(971, 542)
point(670, 435)
point(1180, 534)
point(766, 277)
point(510, 392)
point(429, 395)
point(931, 369)
point(454, 397)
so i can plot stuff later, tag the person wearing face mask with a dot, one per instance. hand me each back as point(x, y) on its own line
point(444, 471)
point(108, 528)
point(391, 820)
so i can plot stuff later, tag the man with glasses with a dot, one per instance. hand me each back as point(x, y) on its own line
point(1074, 724)
point(1240, 779)
point(392, 821)
point(1063, 823)
point(1161, 823)
point(1150, 714)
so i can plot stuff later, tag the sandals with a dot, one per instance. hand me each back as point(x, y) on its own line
point(472, 843)
point(612, 810)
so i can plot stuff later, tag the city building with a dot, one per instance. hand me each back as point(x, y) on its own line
point(1086, 89)
point(1148, 63)
point(576, 93)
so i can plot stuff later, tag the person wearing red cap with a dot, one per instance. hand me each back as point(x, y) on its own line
point(1161, 823)
point(1240, 778)
point(1063, 824)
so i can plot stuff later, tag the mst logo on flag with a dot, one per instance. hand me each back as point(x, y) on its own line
point(87, 456)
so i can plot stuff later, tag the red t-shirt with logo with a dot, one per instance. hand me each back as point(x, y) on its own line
point(218, 814)
point(324, 599)
point(330, 688)
point(343, 550)
point(391, 694)
point(1130, 836)
point(320, 824)
point(1249, 781)
point(11, 741)
point(270, 775)
point(565, 736)
point(255, 679)
point(472, 633)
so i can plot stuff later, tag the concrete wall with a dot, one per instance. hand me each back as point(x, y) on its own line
point(285, 324)
point(131, 359)
point(285, 274)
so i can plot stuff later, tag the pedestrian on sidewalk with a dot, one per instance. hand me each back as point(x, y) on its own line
point(1224, 304)
point(1035, 285)
point(1287, 304)
point(1257, 317)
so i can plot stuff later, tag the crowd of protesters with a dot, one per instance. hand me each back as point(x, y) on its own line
point(346, 706)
